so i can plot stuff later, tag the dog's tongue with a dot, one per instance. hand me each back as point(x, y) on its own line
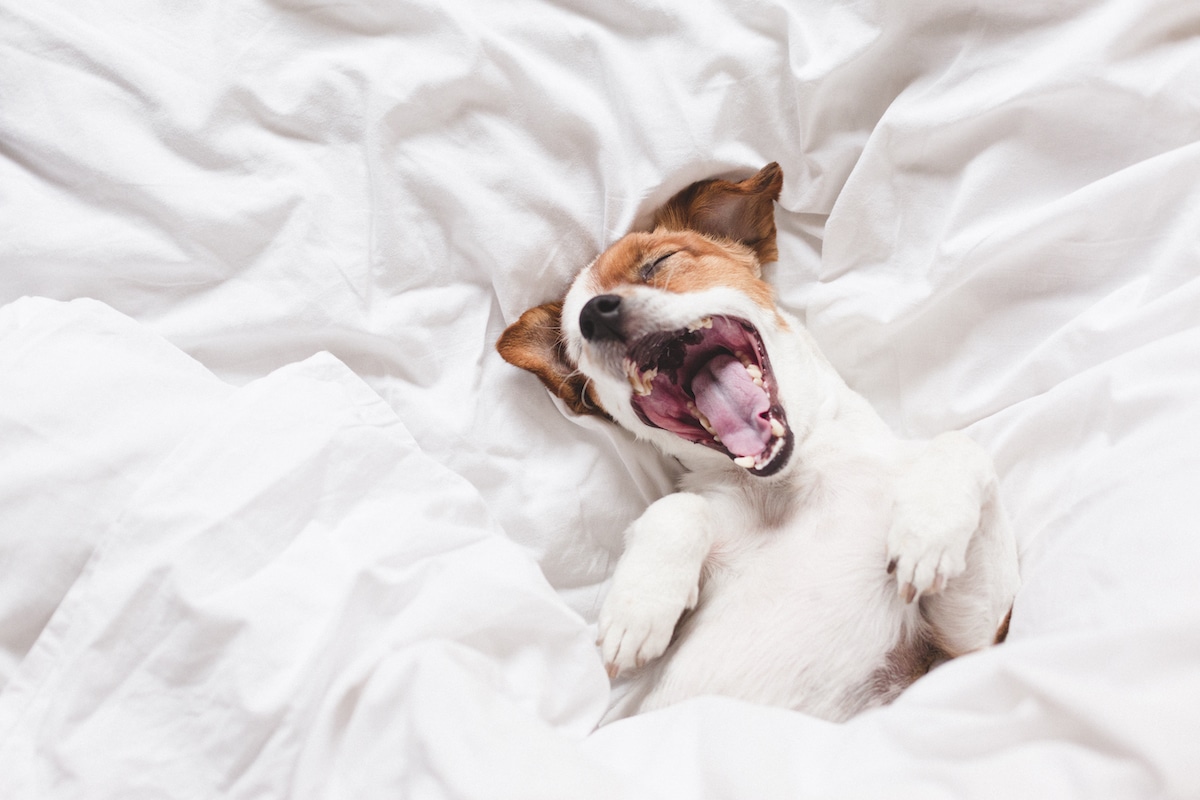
point(734, 405)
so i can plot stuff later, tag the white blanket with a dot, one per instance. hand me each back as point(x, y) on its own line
point(276, 521)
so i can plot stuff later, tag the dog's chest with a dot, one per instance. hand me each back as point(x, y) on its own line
point(839, 510)
point(795, 598)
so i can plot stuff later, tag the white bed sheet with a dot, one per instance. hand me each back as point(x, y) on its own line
point(275, 520)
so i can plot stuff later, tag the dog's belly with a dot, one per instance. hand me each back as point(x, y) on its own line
point(804, 617)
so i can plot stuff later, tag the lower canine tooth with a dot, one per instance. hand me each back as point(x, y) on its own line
point(638, 380)
point(777, 428)
point(746, 462)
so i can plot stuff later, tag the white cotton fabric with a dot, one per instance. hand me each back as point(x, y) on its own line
point(294, 599)
point(276, 521)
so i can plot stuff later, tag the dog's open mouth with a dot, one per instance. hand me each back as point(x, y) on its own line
point(711, 383)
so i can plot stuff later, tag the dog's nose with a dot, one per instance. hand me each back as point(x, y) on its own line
point(601, 318)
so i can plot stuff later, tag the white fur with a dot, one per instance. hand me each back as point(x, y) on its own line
point(787, 574)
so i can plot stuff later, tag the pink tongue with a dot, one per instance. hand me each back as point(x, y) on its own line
point(734, 406)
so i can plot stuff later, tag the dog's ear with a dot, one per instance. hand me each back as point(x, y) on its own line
point(535, 343)
point(743, 212)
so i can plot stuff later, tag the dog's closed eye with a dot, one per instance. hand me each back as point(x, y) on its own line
point(650, 268)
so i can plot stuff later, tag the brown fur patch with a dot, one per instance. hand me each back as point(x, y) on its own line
point(1002, 631)
point(697, 263)
point(623, 260)
point(534, 342)
point(740, 212)
point(907, 662)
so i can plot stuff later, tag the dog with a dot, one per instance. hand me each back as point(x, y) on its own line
point(811, 558)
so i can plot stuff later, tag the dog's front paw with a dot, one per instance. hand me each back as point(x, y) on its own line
point(925, 550)
point(637, 627)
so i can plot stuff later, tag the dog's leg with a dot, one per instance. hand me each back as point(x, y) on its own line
point(656, 580)
point(972, 611)
point(950, 543)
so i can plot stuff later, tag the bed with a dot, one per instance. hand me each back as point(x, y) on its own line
point(277, 521)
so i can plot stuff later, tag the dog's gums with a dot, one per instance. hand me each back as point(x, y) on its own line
point(711, 383)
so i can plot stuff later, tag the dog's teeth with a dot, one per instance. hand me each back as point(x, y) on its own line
point(705, 322)
point(703, 420)
point(777, 428)
point(637, 379)
point(752, 369)
point(746, 462)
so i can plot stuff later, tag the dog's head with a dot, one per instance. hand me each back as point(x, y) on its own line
point(673, 333)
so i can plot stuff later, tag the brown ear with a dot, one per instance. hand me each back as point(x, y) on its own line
point(534, 342)
point(743, 212)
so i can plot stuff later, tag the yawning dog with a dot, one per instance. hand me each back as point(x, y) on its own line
point(811, 558)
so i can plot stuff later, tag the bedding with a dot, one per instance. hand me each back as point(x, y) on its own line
point(277, 521)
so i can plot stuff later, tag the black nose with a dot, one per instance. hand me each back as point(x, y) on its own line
point(601, 318)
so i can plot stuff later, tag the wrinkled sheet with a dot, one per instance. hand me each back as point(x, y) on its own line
point(276, 521)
